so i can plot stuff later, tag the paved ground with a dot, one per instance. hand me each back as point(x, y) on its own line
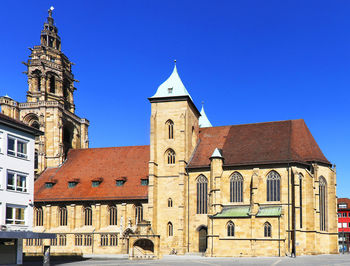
point(200, 261)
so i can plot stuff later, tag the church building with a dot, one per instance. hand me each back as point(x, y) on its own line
point(263, 189)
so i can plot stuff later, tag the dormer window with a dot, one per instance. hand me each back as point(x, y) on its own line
point(144, 182)
point(170, 90)
point(49, 184)
point(120, 181)
point(72, 184)
point(96, 181)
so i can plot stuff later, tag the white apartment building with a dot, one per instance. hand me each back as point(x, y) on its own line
point(17, 158)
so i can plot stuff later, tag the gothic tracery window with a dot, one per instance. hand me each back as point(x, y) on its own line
point(273, 186)
point(52, 84)
point(323, 203)
point(236, 187)
point(170, 156)
point(230, 229)
point(138, 213)
point(87, 216)
point(63, 216)
point(170, 202)
point(170, 229)
point(202, 192)
point(39, 216)
point(113, 217)
point(267, 229)
point(170, 126)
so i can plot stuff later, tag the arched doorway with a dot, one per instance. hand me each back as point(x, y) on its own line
point(202, 238)
point(143, 248)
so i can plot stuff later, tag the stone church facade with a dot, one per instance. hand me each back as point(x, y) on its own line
point(263, 189)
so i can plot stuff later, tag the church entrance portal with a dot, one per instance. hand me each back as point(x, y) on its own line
point(202, 239)
point(143, 249)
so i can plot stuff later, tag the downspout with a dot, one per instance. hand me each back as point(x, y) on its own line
point(288, 212)
point(188, 212)
point(293, 215)
point(279, 237)
point(212, 238)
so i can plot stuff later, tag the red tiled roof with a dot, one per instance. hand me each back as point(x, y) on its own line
point(106, 164)
point(344, 200)
point(261, 143)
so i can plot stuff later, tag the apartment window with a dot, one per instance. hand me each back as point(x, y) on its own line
point(170, 229)
point(344, 214)
point(88, 216)
point(63, 216)
point(342, 206)
point(62, 240)
point(16, 181)
point(202, 192)
point(1, 141)
point(14, 215)
point(267, 229)
point(230, 229)
point(113, 216)
point(273, 186)
point(39, 216)
point(236, 187)
point(17, 147)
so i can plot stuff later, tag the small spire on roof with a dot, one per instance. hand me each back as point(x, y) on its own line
point(203, 119)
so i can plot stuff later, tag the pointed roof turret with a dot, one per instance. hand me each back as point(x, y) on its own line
point(172, 87)
point(203, 119)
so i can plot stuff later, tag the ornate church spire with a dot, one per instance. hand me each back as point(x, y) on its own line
point(49, 36)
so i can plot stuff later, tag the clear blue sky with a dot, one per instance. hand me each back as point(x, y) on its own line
point(249, 61)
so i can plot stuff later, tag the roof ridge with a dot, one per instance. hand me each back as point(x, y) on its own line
point(100, 148)
point(259, 123)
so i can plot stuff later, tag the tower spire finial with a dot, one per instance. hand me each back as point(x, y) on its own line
point(50, 11)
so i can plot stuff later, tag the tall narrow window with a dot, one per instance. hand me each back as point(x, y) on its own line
point(170, 229)
point(170, 156)
point(267, 229)
point(202, 192)
point(52, 84)
point(88, 216)
point(273, 186)
point(113, 217)
point(230, 229)
point(1, 141)
point(63, 216)
point(236, 187)
point(170, 202)
point(170, 126)
point(38, 80)
point(301, 199)
point(323, 203)
point(39, 217)
point(138, 214)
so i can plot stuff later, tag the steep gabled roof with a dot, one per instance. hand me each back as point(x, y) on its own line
point(260, 143)
point(104, 164)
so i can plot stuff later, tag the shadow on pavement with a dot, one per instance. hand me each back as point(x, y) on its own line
point(54, 260)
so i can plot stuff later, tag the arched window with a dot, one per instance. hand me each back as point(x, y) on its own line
point(63, 216)
point(113, 217)
point(138, 213)
point(202, 192)
point(39, 217)
point(301, 199)
point(170, 202)
point(267, 229)
point(52, 84)
point(273, 186)
point(230, 229)
point(323, 203)
point(170, 156)
point(38, 81)
point(236, 187)
point(170, 126)
point(170, 229)
point(88, 216)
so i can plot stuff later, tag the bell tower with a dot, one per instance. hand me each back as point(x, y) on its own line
point(50, 102)
point(174, 135)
